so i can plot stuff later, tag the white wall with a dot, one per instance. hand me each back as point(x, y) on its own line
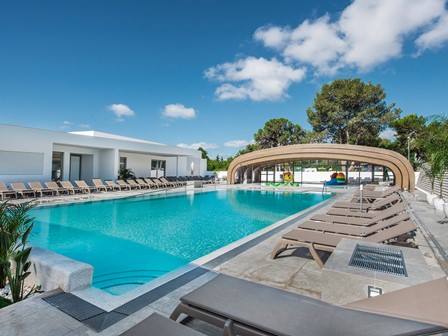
point(29, 142)
point(140, 164)
point(182, 166)
point(108, 164)
point(89, 161)
point(104, 163)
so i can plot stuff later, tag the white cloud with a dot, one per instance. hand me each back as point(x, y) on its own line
point(179, 111)
point(272, 36)
point(121, 111)
point(366, 34)
point(196, 145)
point(237, 143)
point(254, 78)
point(435, 36)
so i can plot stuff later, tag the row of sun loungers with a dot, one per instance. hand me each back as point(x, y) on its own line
point(52, 188)
point(382, 220)
point(245, 308)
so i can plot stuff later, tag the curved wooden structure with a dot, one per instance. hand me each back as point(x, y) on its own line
point(395, 162)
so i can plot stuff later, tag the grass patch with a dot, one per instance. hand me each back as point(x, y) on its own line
point(4, 302)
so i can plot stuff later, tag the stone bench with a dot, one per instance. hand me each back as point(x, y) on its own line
point(51, 270)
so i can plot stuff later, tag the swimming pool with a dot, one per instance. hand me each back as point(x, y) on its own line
point(132, 241)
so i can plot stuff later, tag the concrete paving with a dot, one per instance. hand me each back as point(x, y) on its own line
point(295, 271)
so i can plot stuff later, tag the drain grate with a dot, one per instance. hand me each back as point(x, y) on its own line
point(379, 259)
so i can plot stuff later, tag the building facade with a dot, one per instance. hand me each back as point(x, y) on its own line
point(30, 154)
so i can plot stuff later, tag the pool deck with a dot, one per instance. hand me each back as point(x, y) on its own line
point(298, 273)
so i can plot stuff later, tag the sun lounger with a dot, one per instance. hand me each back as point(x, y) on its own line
point(425, 302)
point(158, 325)
point(353, 230)
point(114, 186)
point(52, 185)
point(379, 216)
point(99, 185)
point(371, 196)
point(159, 183)
point(142, 183)
point(39, 189)
point(84, 186)
point(170, 183)
point(124, 185)
point(376, 205)
point(152, 184)
point(133, 184)
point(4, 191)
point(71, 188)
point(21, 190)
point(247, 308)
point(315, 240)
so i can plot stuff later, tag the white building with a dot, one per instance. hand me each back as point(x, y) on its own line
point(30, 154)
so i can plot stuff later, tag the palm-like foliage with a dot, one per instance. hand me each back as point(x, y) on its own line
point(15, 228)
point(436, 146)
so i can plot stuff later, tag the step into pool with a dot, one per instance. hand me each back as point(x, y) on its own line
point(133, 241)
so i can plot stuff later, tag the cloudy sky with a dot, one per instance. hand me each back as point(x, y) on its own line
point(209, 73)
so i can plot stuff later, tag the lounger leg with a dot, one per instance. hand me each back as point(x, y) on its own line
point(176, 313)
point(279, 248)
point(228, 328)
point(316, 256)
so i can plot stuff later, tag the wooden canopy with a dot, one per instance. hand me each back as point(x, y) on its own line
point(395, 162)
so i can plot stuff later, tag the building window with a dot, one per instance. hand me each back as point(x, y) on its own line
point(57, 165)
point(158, 168)
point(123, 163)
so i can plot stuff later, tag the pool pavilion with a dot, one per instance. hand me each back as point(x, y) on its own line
point(360, 164)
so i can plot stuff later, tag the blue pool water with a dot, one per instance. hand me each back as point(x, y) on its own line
point(135, 240)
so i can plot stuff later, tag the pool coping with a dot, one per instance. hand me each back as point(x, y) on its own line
point(89, 307)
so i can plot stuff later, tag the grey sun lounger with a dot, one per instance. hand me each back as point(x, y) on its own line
point(370, 194)
point(316, 240)
point(251, 309)
point(353, 230)
point(4, 191)
point(379, 216)
point(158, 325)
point(376, 205)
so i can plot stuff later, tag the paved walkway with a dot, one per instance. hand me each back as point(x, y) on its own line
point(435, 233)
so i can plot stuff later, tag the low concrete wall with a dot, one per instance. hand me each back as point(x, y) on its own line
point(52, 271)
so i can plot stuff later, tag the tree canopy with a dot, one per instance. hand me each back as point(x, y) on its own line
point(278, 132)
point(351, 111)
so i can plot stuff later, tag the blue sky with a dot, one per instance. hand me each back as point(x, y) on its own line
point(211, 72)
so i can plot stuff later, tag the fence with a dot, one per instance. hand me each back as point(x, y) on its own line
point(424, 183)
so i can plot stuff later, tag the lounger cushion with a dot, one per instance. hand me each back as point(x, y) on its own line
point(284, 313)
point(157, 325)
